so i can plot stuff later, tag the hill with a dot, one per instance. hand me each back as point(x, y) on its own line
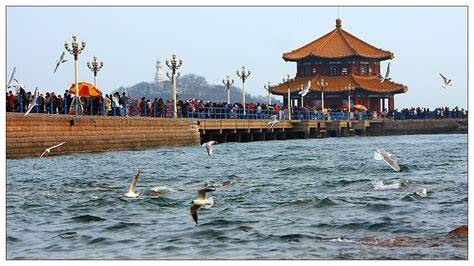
point(190, 86)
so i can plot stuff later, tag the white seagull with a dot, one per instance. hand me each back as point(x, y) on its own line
point(446, 82)
point(60, 61)
point(273, 122)
point(422, 194)
point(381, 154)
point(202, 200)
point(9, 85)
point(306, 89)
point(47, 151)
point(33, 103)
point(131, 192)
point(208, 146)
point(386, 74)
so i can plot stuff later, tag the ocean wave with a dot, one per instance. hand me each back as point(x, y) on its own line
point(87, 218)
point(378, 207)
point(122, 225)
point(343, 182)
point(68, 235)
point(378, 185)
point(325, 202)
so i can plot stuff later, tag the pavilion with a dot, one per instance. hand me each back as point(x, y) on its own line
point(342, 61)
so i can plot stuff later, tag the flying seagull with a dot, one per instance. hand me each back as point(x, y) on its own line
point(47, 151)
point(131, 192)
point(306, 89)
point(17, 84)
point(208, 146)
point(202, 200)
point(387, 74)
point(381, 154)
point(33, 103)
point(9, 85)
point(446, 82)
point(273, 122)
point(60, 61)
point(422, 194)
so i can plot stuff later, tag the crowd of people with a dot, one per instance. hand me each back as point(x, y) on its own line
point(117, 104)
point(424, 113)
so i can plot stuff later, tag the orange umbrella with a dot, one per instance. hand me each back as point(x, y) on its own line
point(360, 107)
point(85, 89)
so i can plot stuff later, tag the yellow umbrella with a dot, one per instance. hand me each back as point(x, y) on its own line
point(360, 107)
point(85, 89)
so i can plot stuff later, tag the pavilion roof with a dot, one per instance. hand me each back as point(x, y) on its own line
point(338, 44)
point(338, 84)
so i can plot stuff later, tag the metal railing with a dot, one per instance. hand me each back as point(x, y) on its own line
point(226, 113)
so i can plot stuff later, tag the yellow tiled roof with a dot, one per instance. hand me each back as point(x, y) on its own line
point(339, 83)
point(338, 44)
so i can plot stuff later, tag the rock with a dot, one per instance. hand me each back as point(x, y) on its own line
point(460, 231)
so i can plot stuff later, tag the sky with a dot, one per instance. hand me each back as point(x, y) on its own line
point(214, 42)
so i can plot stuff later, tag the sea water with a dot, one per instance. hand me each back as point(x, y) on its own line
point(293, 199)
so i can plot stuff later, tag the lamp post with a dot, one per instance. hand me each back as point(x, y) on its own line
point(267, 88)
point(302, 88)
point(95, 66)
point(228, 83)
point(289, 96)
point(349, 89)
point(243, 74)
point(174, 65)
point(322, 85)
point(75, 50)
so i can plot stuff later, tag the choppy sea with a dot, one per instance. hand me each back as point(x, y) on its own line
point(295, 199)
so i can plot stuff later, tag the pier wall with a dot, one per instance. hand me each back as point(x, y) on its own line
point(413, 127)
point(29, 136)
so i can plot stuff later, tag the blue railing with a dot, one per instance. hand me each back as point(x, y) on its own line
point(229, 113)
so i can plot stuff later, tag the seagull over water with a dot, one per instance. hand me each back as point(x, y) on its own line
point(306, 89)
point(208, 146)
point(422, 194)
point(381, 154)
point(387, 74)
point(60, 61)
point(446, 82)
point(273, 122)
point(33, 103)
point(47, 151)
point(202, 200)
point(131, 192)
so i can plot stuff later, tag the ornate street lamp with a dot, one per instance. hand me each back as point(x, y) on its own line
point(301, 89)
point(228, 83)
point(75, 50)
point(267, 88)
point(174, 65)
point(349, 89)
point(289, 96)
point(95, 66)
point(322, 85)
point(243, 74)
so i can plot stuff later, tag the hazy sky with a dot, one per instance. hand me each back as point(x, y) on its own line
point(217, 41)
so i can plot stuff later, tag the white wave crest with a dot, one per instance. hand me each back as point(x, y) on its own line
point(379, 185)
point(164, 189)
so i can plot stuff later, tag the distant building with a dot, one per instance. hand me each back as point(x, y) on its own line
point(340, 59)
point(159, 75)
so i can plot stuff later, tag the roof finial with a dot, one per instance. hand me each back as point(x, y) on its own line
point(338, 23)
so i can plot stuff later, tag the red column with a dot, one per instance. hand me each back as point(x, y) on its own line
point(391, 103)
